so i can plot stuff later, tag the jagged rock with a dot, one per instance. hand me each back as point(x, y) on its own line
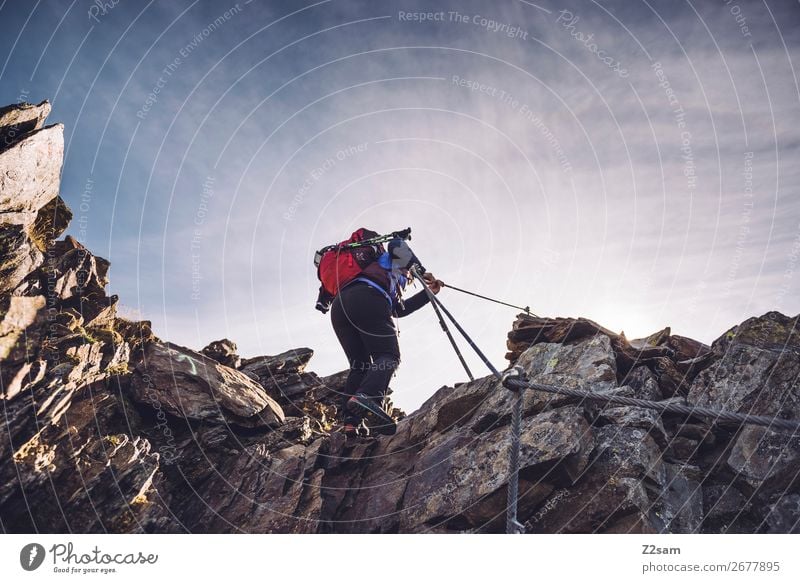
point(130, 466)
point(681, 449)
point(64, 322)
point(224, 352)
point(700, 433)
point(107, 428)
point(625, 416)
point(452, 407)
point(264, 367)
point(288, 387)
point(630, 452)
point(588, 364)
point(670, 379)
point(679, 507)
point(77, 273)
point(655, 339)
point(102, 475)
point(188, 384)
point(20, 119)
point(643, 383)
point(766, 459)
point(69, 243)
point(772, 331)
point(784, 515)
point(30, 174)
point(528, 330)
point(20, 316)
point(136, 333)
point(51, 220)
point(692, 367)
point(87, 359)
point(724, 506)
point(462, 481)
point(625, 463)
point(336, 381)
point(99, 312)
point(757, 374)
point(683, 348)
point(687, 348)
point(258, 491)
point(15, 377)
point(19, 256)
point(29, 179)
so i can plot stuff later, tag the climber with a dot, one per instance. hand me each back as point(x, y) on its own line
point(363, 301)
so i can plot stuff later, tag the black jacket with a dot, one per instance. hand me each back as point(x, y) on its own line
point(411, 305)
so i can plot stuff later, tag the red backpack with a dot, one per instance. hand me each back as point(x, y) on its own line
point(339, 265)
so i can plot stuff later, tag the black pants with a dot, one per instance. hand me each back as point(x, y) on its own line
point(362, 319)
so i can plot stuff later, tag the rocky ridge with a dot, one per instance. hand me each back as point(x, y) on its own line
point(108, 428)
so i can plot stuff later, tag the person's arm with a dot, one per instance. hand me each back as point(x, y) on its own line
point(411, 305)
point(418, 300)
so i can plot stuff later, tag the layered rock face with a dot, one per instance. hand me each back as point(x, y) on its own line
point(107, 428)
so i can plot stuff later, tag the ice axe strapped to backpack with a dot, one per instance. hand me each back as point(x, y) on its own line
point(340, 263)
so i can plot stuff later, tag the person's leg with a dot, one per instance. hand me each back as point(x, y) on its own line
point(379, 373)
point(357, 356)
point(370, 314)
point(371, 395)
point(367, 310)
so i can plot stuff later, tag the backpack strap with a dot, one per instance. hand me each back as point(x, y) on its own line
point(377, 287)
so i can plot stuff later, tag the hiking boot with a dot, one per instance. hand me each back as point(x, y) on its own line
point(361, 403)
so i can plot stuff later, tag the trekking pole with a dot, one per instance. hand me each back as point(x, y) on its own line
point(404, 234)
point(463, 332)
point(443, 324)
point(526, 309)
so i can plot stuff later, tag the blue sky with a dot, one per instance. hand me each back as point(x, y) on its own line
point(630, 162)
